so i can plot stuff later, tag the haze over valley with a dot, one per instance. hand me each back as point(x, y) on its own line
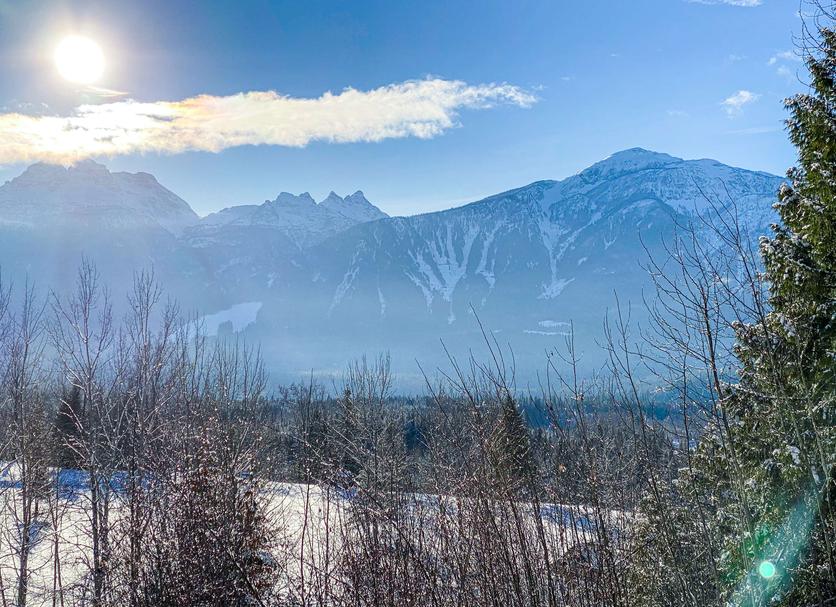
point(319, 283)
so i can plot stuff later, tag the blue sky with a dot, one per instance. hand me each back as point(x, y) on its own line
point(607, 75)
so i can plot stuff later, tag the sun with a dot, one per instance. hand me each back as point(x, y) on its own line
point(79, 59)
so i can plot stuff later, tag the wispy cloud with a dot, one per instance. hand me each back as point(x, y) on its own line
point(678, 114)
point(756, 130)
point(783, 56)
point(419, 108)
point(734, 104)
point(104, 93)
point(745, 3)
point(780, 61)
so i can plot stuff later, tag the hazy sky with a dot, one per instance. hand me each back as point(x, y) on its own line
point(449, 101)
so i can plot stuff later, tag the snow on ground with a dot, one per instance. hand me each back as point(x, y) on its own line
point(312, 524)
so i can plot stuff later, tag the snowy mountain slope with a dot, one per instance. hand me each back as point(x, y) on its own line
point(338, 278)
point(529, 261)
point(51, 217)
point(536, 238)
point(251, 247)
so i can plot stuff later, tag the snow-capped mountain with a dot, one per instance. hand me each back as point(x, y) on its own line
point(323, 282)
point(541, 238)
point(528, 262)
point(354, 207)
point(298, 218)
point(51, 217)
point(250, 247)
point(87, 193)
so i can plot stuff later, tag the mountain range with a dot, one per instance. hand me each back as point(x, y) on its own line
point(320, 283)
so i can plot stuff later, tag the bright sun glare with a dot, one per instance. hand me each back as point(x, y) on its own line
point(79, 59)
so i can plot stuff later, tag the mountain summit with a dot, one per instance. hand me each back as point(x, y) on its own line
point(296, 217)
point(627, 161)
point(354, 207)
point(88, 193)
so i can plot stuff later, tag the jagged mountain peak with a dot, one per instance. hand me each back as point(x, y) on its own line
point(533, 259)
point(299, 218)
point(39, 172)
point(357, 196)
point(88, 166)
point(354, 207)
point(286, 198)
point(59, 174)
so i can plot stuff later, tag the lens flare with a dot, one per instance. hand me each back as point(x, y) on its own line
point(766, 570)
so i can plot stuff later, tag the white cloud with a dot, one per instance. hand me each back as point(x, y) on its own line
point(418, 108)
point(780, 60)
point(734, 104)
point(783, 56)
point(745, 3)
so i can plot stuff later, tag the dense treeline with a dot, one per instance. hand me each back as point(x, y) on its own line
point(147, 465)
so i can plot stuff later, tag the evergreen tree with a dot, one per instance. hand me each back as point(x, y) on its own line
point(210, 542)
point(775, 519)
point(67, 429)
point(348, 437)
point(512, 455)
point(314, 457)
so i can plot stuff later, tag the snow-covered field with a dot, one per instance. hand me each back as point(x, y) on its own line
point(312, 525)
